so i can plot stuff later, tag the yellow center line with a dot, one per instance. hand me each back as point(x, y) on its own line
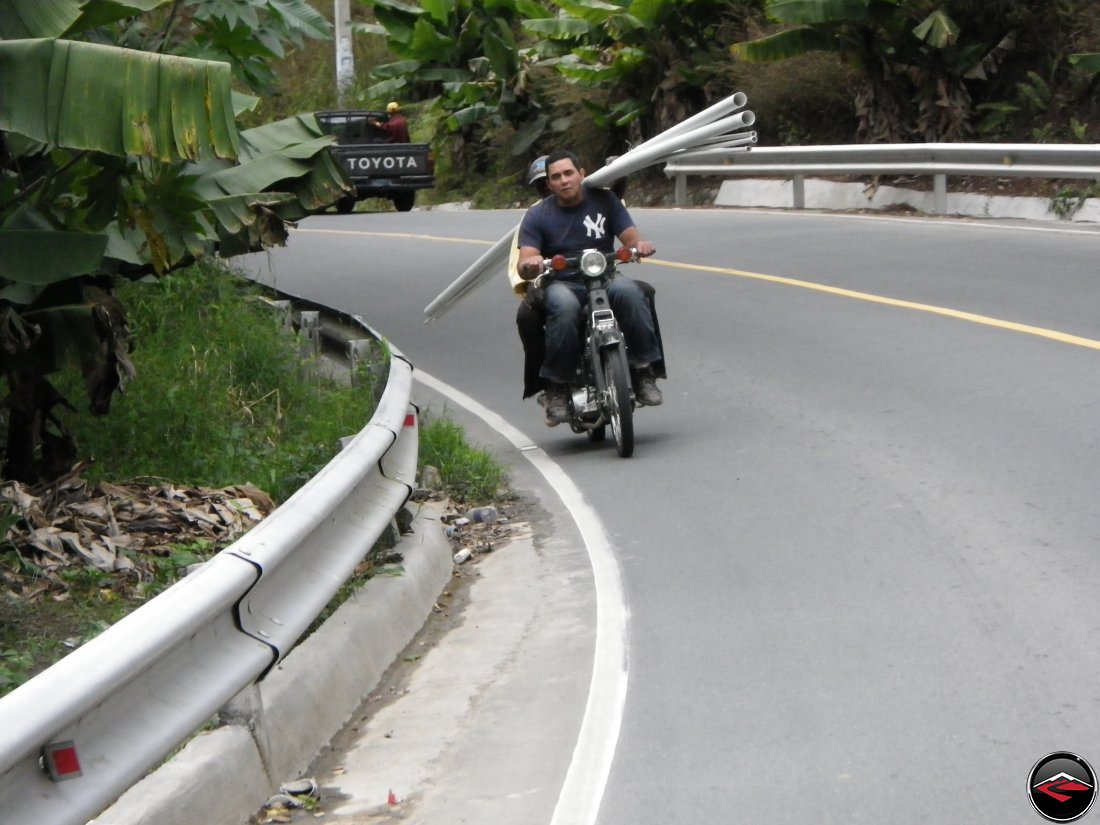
point(959, 315)
point(974, 318)
point(406, 235)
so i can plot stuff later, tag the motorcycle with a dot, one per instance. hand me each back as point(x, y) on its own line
point(601, 392)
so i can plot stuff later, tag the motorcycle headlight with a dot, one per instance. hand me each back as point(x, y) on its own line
point(593, 263)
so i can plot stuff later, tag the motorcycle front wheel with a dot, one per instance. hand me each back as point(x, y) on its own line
point(619, 407)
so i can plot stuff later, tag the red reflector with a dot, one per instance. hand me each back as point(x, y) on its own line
point(410, 420)
point(61, 761)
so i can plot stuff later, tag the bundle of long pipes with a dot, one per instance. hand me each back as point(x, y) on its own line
point(716, 127)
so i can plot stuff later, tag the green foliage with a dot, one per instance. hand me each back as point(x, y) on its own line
point(469, 473)
point(1035, 93)
point(462, 54)
point(1069, 200)
point(118, 157)
point(653, 59)
point(248, 35)
point(15, 668)
point(221, 376)
point(223, 396)
point(926, 69)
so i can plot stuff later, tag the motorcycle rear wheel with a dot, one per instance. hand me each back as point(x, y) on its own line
point(619, 406)
point(597, 434)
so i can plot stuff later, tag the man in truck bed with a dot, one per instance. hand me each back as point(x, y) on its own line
point(396, 127)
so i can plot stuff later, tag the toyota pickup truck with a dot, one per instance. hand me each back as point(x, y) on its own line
point(377, 168)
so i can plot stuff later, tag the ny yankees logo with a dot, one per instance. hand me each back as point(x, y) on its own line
point(595, 228)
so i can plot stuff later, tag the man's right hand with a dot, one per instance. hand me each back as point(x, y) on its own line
point(530, 267)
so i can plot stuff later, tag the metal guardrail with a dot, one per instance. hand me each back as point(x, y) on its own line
point(939, 160)
point(82, 732)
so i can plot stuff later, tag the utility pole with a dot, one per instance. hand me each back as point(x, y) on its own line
point(345, 60)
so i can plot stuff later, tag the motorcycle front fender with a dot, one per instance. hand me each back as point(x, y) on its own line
point(603, 340)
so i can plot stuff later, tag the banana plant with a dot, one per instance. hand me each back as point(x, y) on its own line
point(463, 54)
point(1090, 61)
point(651, 59)
point(122, 163)
point(917, 61)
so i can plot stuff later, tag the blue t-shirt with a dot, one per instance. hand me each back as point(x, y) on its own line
point(594, 223)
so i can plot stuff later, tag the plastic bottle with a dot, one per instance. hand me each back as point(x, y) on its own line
point(482, 515)
point(463, 555)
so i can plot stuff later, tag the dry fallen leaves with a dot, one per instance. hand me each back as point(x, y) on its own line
point(116, 528)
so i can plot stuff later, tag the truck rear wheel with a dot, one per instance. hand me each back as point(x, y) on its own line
point(345, 205)
point(403, 201)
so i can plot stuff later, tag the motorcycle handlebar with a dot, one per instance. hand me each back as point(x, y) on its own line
point(559, 262)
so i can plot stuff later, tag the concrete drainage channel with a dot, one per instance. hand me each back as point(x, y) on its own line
point(273, 730)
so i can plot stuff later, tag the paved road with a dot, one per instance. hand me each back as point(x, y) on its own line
point(858, 544)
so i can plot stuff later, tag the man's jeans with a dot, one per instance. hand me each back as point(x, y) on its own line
point(565, 325)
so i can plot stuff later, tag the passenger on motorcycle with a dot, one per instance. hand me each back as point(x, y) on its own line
point(573, 218)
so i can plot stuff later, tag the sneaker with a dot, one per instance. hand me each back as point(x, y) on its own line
point(645, 388)
point(555, 400)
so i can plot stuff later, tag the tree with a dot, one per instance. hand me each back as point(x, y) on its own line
point(653, 59)
point(463, 55)
point(918, 59)
point(126, 162)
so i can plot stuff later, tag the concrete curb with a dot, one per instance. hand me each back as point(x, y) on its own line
point(834, 195)
point(281, 724)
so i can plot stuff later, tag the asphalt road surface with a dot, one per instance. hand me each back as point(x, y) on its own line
point(850, 574)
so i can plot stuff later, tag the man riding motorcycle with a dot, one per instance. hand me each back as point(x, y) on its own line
point(530, 316)
point(573, 218)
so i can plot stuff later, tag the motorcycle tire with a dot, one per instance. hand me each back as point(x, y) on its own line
point(619, 405)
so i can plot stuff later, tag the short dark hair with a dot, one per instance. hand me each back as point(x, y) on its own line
point(562, 154)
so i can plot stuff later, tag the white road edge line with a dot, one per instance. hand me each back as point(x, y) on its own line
point(583, 789)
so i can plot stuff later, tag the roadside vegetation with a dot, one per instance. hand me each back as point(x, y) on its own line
point(223, 399)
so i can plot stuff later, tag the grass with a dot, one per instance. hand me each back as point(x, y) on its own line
point(223, 396)
point(469, 474)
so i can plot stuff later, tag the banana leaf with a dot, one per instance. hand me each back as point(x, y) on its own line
point(780, 46)
point(34, 259)
point(937, 30)
point(1086, 61)
point(593, 11)
point(21, 19)
point(557, 28)
point(810, 12)
point(289, 157)
point(86, 96)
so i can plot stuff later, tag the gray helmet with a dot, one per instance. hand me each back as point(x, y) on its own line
point(536, 171)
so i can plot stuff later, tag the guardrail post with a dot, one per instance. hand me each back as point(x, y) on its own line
point(309, 322)
point(361, 351)
point(939, 194)
point(680, 191)
point(799, 185)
